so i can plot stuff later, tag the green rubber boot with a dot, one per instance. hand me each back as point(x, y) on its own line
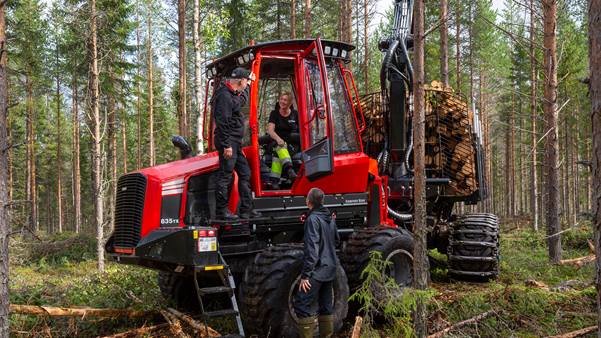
point(326, 326)
point(306, 327)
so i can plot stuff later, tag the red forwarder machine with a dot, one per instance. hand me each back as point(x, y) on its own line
point(358, 153)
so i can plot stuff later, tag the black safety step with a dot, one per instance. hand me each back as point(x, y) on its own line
point(215, 289)
point(221, 313)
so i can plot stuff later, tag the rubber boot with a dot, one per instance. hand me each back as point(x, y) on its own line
point(326, 326)
point(306, 327)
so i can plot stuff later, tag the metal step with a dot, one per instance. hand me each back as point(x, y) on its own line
point(215, 289)
point(228, 287)
point(220, 313)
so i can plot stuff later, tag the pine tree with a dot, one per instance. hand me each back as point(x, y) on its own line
point(4, 201)
point(551, 126)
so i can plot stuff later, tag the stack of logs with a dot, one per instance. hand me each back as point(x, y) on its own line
point(450, 151)
point(373, 137)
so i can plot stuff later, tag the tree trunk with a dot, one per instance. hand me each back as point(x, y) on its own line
point(458, 44)
point(4, 216)
point(444, 41)
point(96, 141)
point(76, 169)
point(533, 167)
point(32, 195)
point(365, 45)
point(112, 162)
point(551, 141)
point(59, 161)
point(139, 93)
point(420, 252)
point(9, 157)
point(307, 20)
point(123, 125)
point(151, 150)
point(292, 19)
point(198, 78)
point(471, 52)
point(181, 107)
point(594, 29)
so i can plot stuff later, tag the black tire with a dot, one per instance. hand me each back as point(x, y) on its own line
point(268, 288)
point(473, 249)
point(180, 290)
point(395, 245)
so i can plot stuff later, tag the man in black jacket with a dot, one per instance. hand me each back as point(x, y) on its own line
point(319, 269)
point(227, 103)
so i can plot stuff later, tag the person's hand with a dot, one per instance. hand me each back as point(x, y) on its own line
point(304, 285)
point(281, 142)
point(228, 153)
point(252, 77)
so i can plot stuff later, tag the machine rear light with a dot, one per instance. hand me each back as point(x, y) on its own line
point(207, 233)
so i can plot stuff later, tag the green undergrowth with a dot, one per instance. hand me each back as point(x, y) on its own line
point(561, 300)
point(61, 271)
point(64, 274)
point(531, 297)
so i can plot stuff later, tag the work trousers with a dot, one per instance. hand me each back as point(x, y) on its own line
point(320, 294)
point(239, 163)
point(280, 162)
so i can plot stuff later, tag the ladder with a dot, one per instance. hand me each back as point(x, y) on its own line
point(228, 286)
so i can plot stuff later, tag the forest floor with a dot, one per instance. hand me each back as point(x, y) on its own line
point(61, 271)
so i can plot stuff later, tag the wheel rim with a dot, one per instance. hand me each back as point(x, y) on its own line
point(292, 292)
point(399, 266)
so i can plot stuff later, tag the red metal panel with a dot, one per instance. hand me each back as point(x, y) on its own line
point(350, 176)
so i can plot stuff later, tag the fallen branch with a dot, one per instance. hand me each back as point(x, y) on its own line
point(357, 327)
point(139, 331)
point(578, 262)
point(174, 325)
point(77, 312)
point(201, 328)
point(591, 246)
point(461, 324)
point(577, 333)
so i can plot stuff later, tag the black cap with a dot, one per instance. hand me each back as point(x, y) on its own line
point(240, 73)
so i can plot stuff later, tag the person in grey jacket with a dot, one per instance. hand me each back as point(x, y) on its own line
point(319, 269)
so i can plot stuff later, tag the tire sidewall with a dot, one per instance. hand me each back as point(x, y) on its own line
point(280, 321)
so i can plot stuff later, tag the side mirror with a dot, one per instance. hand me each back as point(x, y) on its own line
point(185, 150)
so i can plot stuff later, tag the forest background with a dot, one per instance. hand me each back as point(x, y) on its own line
point(494, 56)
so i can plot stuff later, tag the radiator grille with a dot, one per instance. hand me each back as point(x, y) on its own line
point(129, 209)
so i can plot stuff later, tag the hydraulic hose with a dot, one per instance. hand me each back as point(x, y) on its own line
point(398, 216)
point(409, 65)
point(409, 151)
point(386, 63)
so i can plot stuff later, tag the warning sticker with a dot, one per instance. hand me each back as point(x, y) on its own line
point(207, 244)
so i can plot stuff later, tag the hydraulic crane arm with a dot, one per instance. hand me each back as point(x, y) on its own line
point(396, 82)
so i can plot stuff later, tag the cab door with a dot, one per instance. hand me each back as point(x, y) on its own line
point(317, 133)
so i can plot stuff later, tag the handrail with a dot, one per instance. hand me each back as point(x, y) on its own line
point(363, 123)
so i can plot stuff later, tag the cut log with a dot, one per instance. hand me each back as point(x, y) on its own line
point(578, 262)
point(201, 328)
point(174, 325)
point(461, 324)
point(77, 312)
point(536, 284)
point(357, 327)
point(577, 333)
point(142, 331)
point(591, 246)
